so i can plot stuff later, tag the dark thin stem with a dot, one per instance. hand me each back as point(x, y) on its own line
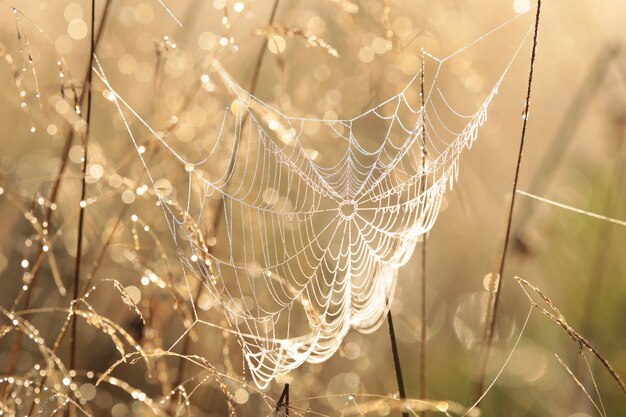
point(59, 176)
point(423, 274)
point(259, 62)
point(569, 125)
point(100, 257)
point(70, 134)
point(99, 260)
point(423, 329)
point(231, 165)
point(552, 158)
point(490, 323)
point(283, 401)
point(253, 85)
point(81, 214)
point(90, 277)
point(396, 361)
point(52, 200)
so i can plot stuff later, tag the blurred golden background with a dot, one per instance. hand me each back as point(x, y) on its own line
point(323, 59)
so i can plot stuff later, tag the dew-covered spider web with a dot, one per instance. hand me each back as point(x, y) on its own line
point(296, 227)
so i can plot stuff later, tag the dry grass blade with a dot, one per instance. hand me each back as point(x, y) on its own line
point(556, 316)
point(595, 384)
point(347, 5)
point(580, 384)
point(126, 297)
point(492, 311)
point(414, 407)
point(294, 31)
point(194, 359)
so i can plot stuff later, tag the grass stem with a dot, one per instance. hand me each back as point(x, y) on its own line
point(492, 313)
point(83, 203)
point(396, 361)
point(422, 374)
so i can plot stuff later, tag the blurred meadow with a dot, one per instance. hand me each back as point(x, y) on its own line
point(147, 336)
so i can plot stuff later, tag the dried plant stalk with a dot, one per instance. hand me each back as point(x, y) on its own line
point(556, 316)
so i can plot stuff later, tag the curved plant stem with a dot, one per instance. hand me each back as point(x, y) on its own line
point(555, 315)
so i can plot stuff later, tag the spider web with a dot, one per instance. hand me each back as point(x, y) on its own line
point(296, 249)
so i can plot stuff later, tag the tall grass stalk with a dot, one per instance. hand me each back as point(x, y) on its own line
point(52, 200)
point(83, 192)
point(492, 312)
point(423, 330)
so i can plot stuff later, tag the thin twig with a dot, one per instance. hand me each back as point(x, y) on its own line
point(423, 274)
point(283, 401)
point(51, 202)
point(396, 362)
point(490, 323)
point(83, 203)
point(551, 159)
point(58, 179)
